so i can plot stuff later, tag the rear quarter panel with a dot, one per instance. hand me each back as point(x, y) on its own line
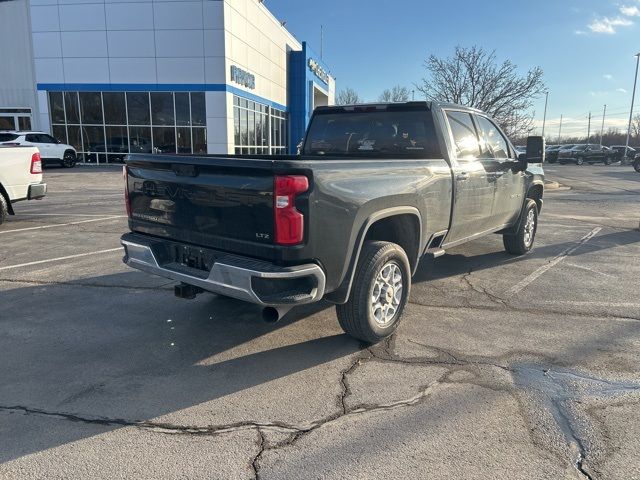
point(347, 193)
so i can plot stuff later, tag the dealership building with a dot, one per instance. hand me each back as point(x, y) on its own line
point(112, 77)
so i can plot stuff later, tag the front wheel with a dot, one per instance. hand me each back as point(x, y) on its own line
point(69, 160)
point(580, 161)
point(608, 161)
point(379, 293)
point(521, 242)
point(636, 166)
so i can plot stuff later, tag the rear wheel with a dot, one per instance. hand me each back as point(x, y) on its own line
point(579, 161)
point(636, 165)
point(379, 293)
point(608, 161)
point(521, 242)
point(69, 159)
point(4, 209)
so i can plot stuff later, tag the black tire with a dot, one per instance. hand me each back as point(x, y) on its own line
point(522, 241)
point(551, 161)
point(4, 209)
point(636, 166)
point(579, 161)
point(608, 161)
point(69, 159)
point(356, 317)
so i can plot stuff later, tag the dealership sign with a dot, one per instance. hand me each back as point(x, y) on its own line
point(243, 77)
point(318, 71)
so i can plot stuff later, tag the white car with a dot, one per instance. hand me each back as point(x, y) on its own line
point(20, 177)
point(51, 150)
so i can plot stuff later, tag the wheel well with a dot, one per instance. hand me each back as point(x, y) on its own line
point(69, 151)
point(535, 193)
point(403, 230)
point(4, 193)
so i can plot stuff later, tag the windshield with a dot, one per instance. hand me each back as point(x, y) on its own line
point(367, 133)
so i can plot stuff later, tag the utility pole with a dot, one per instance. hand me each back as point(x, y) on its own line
point(633, 98)
point(589, 128)
point(544, 119)
point(560, 132)
point(604, 114)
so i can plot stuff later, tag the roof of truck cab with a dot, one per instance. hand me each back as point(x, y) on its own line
point(428, 105)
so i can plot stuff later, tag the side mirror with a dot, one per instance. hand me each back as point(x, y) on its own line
point(535, 151)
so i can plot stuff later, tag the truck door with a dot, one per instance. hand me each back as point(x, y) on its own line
point(500, 161)
point(473, 189)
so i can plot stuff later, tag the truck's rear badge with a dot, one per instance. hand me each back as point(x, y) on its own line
point(263, 236)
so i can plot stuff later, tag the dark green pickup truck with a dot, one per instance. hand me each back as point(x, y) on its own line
point(374, 190)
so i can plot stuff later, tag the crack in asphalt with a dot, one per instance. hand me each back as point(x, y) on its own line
point(481, 290)
point(256, 459)
point(163, 286)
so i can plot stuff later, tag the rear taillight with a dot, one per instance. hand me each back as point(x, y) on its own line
point(289, 222)
point(125, 176)
point(36, 163)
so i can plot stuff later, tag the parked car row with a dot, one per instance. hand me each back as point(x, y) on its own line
point(584, 153)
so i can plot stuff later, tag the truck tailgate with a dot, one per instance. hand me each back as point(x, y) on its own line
point(214, 202)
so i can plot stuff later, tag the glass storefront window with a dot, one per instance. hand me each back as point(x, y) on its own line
point(164, 140)
point(59, 132)
point(183, 109)
point(183, 135)
point(199, 140)
point(138, 108)
point(162, 108)
point(106, 126)
point(56, 107)
point(72, 110)
point(140, 139)
point(258, 129)
point(114, 108)
point(91, 108)
point(198, 109)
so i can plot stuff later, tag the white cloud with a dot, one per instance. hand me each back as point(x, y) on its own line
point(599, 93)
point(580, 32)
point(630, 11)
point(621, 90)
point(608, 25)
point(607, 76)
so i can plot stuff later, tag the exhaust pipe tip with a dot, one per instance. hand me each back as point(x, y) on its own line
point(274, 314)
point(270, 314)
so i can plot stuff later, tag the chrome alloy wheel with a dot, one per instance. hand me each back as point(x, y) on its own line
point(530, 228)
point(387, 294)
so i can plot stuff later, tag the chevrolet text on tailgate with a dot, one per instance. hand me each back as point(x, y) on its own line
point(375, 189)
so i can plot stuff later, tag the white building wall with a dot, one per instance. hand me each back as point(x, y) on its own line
point(17, 88)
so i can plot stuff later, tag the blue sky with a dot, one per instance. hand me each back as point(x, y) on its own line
point(585, 47)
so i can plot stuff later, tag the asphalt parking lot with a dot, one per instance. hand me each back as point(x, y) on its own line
point(502, 368)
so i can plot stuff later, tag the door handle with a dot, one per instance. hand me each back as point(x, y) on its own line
point(462, 177)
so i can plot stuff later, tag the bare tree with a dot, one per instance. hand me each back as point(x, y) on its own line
point(474, 78)
point(348, 96)
point(635, 126)
point(396, 94)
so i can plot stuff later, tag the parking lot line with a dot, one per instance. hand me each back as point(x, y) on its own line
point(63, 224)
point(68, 257)
point(556, 260)
point(62, 215)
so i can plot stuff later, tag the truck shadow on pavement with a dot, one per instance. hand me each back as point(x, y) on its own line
point(108, 348)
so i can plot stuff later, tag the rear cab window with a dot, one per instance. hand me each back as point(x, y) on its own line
point(373, 132)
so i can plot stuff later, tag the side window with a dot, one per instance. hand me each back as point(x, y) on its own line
point(33, 138)
point(48, 139)
point(493, 143)
point(465, 137)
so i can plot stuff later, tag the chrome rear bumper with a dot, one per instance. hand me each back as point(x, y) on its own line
point(234, 276)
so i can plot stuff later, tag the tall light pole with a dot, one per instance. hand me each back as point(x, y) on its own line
point(560, 131)
point(589, 128)
point(544, 119)
point(604, 114)
point(633, 98)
